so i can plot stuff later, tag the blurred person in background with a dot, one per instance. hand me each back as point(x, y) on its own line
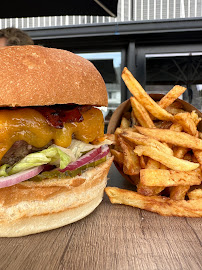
point(12, 36)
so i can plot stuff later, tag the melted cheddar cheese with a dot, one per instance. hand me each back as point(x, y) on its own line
point(29, 125)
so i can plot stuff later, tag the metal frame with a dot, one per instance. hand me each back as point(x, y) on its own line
point(158, 49)
point(116, 29)
point(133, 39)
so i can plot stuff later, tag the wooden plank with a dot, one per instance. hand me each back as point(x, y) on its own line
point(113, 237)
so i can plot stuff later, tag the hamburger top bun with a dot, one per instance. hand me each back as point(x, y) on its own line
point(33, 207)
point(36, 76)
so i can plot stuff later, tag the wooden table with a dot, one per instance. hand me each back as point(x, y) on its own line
point(113, 237)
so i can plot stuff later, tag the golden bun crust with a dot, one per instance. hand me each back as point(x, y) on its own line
point(33, 207)
point(36, 76)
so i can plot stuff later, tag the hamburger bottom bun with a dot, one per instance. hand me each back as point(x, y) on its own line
point(32, 207)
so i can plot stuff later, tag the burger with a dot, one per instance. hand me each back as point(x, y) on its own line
point(54, 158)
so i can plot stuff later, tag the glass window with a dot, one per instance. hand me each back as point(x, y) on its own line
point(163, 71)
point(109, 65)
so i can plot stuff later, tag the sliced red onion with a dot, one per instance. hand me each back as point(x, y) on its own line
point(91, 156)
point(102, 154)
point(19, 177)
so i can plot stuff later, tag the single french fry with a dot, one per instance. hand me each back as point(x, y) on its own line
point(174, 137)
point(179, 192)
point(153, 164)
point(142, 163)
point(176, 127)
point(195, 194)
point(198, 155)
point(169, 178)
point(159, 204)
point(178, 151)
point(118, 156)
point(139, 93)
point(141, 113)
point(140, 139)
point(167, 160)
point(195, 117)
point(171, 96)
point(148, 191)
point(125, 123)
point(111, 137)
point(119, 130)
point(131, 164)
point(188, 124)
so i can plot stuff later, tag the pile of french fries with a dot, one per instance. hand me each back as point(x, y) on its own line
point(159, 148)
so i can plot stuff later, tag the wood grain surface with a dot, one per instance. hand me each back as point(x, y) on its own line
point(113, 237)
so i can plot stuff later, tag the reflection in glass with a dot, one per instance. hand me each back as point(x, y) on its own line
point(163, 71)
point(109, 66)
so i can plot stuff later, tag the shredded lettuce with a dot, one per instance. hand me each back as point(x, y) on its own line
point(78, 148)
point(52, 155)
point(3, 169)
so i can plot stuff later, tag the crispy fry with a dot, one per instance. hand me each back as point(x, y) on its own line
point(169, 178)
point(167, 160)
point(140, 139)
point(119, 131)
point(195, 194)
point(141, 113)
point(198, 155)
point(124, 123)
point(131, 164)
point(159, 204)
point(118, 156)
point(195, 117)
point(142, 162)
point(139, 93)
point(178, 151)
point(168, 144)
point(174, 137)
point(188, 124)
point(153, 164)
point(179, 192)
point(176, 127)
point(171, 96)
point(148, 191)
point(111, 137)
